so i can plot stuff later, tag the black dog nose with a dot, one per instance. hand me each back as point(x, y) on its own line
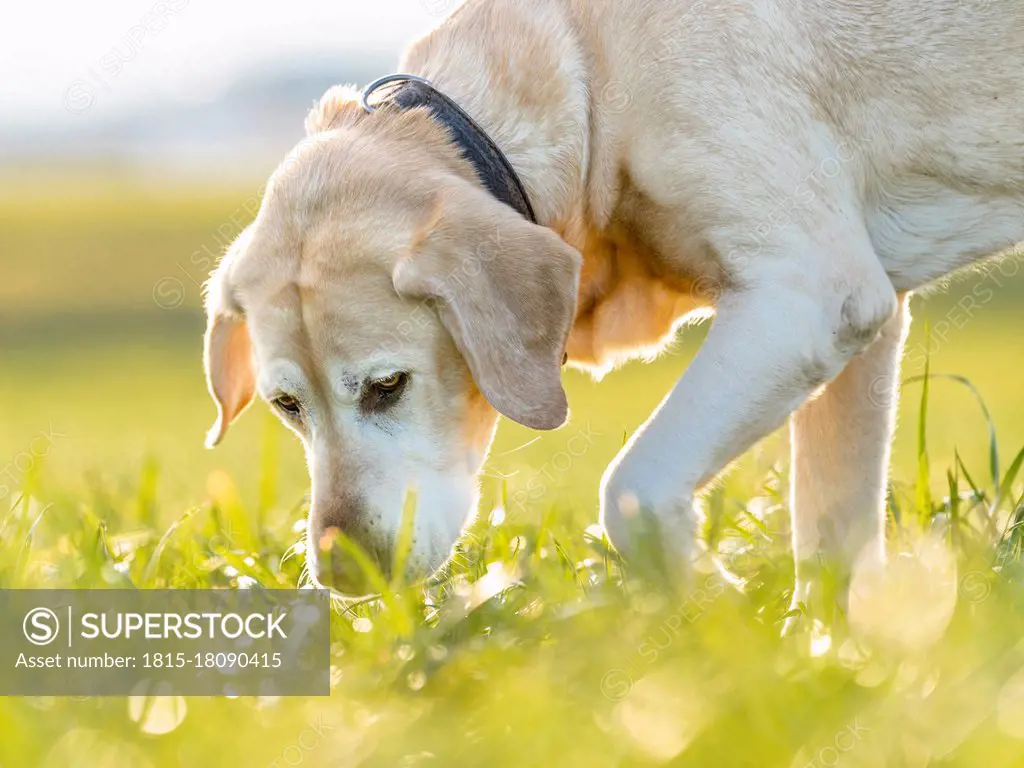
point(353, 566)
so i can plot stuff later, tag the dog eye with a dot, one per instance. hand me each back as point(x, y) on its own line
point(391, 383)
point(383, 393)
point(288, 405)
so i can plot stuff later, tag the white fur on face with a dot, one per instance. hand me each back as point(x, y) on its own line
point(368, 467)
point(369, 471)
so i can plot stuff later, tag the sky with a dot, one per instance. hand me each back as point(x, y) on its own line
point(57, 56)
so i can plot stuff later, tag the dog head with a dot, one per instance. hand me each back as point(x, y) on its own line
point(388, 309)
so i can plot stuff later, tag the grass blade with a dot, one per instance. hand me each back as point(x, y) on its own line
point(403, 541)
point(924, 494)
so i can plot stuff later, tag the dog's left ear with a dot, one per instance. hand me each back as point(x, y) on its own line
point(227, 351)
point(506, 291)
point(229, 370)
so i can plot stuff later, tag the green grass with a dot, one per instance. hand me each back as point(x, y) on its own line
point(541, 649)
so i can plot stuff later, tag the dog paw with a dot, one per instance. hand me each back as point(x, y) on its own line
point(650, 533)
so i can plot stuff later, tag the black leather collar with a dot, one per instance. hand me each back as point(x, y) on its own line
point(495, 171)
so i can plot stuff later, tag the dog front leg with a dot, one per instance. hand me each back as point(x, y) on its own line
point(770, 347)
point(841, 442)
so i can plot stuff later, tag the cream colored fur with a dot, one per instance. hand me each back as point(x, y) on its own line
point(795, 168)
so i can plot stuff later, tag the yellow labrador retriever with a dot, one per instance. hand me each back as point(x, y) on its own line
point(569, 180)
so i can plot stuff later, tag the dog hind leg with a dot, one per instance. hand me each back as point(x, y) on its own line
point(841, 443)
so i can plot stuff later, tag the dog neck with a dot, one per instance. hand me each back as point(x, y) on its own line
point(527, 87)
point(528, 79)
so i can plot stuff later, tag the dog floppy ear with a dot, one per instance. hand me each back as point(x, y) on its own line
point(227, 351)
point(506, 292)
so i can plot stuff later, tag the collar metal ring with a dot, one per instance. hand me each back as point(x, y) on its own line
point(364, 98)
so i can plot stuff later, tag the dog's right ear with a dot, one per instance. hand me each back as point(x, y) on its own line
point(227, 350)
point(506, 291)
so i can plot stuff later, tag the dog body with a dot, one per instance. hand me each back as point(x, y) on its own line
point(796, 169)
